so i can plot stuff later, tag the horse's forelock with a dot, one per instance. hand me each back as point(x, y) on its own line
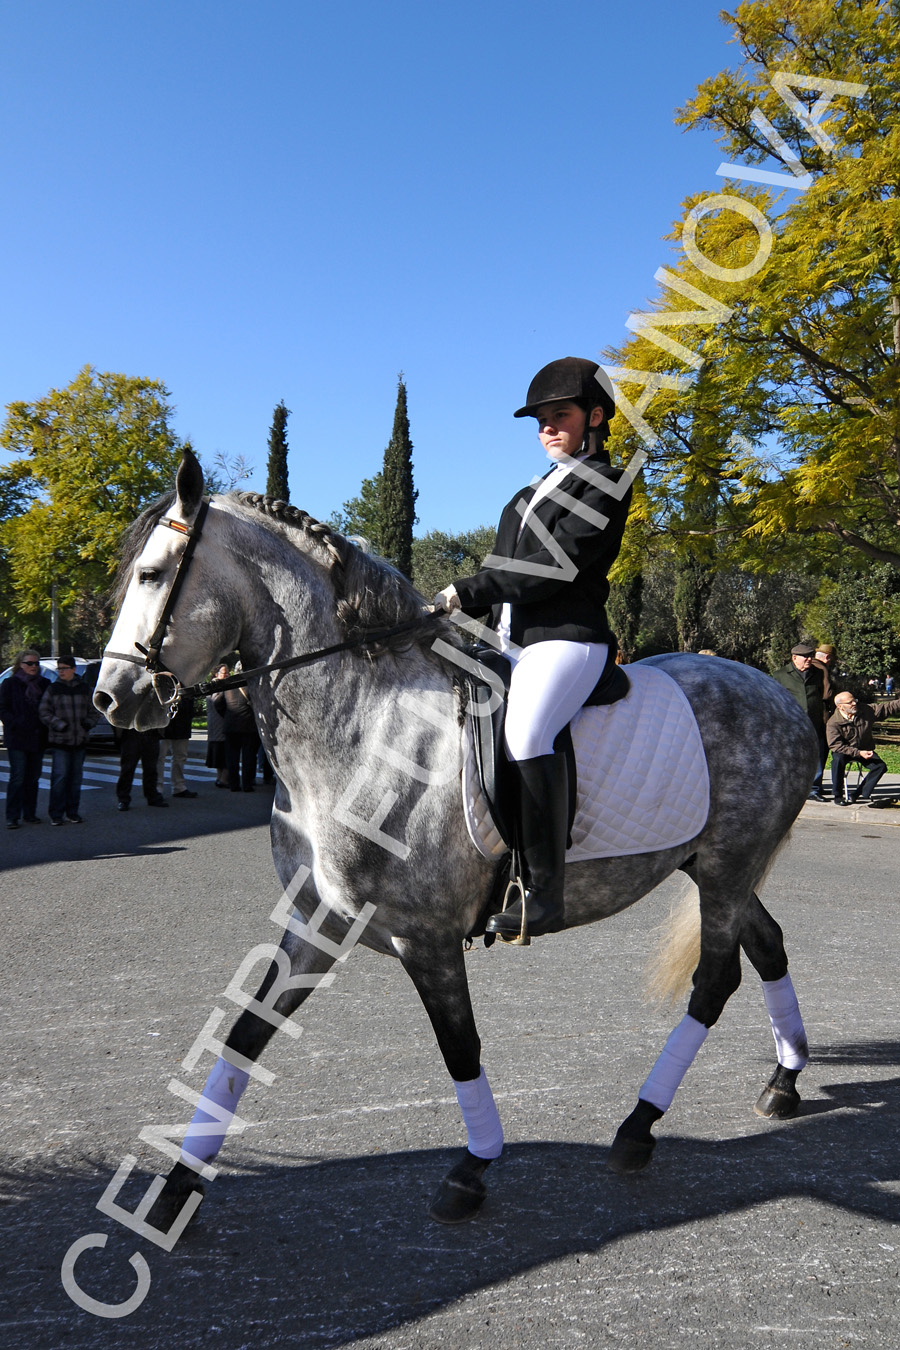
point(134, 541)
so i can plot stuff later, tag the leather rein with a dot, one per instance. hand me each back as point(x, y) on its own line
point(150, 654)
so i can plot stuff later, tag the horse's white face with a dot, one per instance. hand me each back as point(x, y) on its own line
point(125, 690)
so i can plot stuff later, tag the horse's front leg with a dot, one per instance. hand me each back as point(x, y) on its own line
point(439, 974)
point(297, 969)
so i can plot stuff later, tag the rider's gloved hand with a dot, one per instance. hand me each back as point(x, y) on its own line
point(446, 600)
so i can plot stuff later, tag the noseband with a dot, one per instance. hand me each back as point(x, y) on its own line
point(164, 679)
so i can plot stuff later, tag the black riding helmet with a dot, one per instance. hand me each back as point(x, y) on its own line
point(572, 379)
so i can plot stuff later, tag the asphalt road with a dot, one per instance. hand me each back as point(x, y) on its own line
point(122, 933)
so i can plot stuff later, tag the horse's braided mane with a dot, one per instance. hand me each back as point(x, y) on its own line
point(369, 593)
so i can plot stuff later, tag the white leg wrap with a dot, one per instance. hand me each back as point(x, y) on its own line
point(787, 1025)
point(479, 1112)
point(224, 1087)
point(677, 1057)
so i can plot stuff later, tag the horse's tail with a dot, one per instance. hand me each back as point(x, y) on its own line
point(669, 969)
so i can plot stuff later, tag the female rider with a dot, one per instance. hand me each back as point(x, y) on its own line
point(546, 586)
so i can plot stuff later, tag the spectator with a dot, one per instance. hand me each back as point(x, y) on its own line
point(176, 739)
point(241, 738)
point(139, 747)
point(849, 733)
point(825, 659)
point(889, 685)
point(807, 684)
point(263, 766)
point(67, 709)
point(25, 736)
point(215, 735)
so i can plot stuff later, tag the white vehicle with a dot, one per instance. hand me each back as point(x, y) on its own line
point(99, 736)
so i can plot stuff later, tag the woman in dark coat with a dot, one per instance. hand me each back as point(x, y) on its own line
point(215, 735)
point(241, 738)
point(25, 736)
point(546, 588)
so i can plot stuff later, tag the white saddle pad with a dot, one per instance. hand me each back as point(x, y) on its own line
point(643, 784)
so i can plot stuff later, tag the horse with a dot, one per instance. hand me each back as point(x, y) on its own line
point(358, 700)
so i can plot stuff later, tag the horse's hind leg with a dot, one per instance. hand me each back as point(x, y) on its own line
point(717, 976)
point(298, 968)
point(439, 974)
point(761, 939)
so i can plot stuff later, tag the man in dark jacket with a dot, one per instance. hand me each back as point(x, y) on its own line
point(807, 684)
point(176, 741)
point(68, 711)
point(25, 736)
point(138, 747)
point(825, 659)
point(849, 735)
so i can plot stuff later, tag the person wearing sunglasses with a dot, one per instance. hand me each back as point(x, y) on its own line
point(25, 736)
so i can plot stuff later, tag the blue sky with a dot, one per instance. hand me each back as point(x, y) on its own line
point(276, 200)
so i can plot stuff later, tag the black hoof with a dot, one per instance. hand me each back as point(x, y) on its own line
point(779, 1099)
point(777, 1103)
point(181, 1183)
point(633, 1145)
point(630, 1155)
point(462, 1192)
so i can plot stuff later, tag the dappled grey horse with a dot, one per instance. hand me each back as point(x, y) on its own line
point(368, 830)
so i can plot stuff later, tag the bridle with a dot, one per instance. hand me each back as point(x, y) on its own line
point(167, 686)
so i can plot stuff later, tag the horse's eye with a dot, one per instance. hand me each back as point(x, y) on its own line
point(148, 574)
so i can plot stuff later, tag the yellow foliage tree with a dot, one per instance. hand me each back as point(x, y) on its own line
point(789, 440)
point(90, 457)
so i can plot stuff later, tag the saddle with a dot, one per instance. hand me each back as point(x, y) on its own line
point(486, 730)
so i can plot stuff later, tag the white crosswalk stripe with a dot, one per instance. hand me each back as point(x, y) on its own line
point(103, 772)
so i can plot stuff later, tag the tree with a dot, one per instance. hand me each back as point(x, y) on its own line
point(90, 457)
point(624, 607)
point(361, 515)
point(226, 472)
point(859, 614)
point(16, 628)
point(398, 496)
point(277, 477)
point(437, 557)
point(803, 360)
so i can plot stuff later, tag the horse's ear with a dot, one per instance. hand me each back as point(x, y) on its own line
point(189, 482)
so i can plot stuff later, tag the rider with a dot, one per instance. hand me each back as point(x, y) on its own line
point(563, 535)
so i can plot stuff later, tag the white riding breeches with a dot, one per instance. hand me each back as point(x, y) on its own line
point(550, 682)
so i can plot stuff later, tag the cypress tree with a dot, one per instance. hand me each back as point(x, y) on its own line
point(398, 496)
point(277, 478)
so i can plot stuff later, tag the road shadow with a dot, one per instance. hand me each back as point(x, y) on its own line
point(320, 1254)
point(140, 832)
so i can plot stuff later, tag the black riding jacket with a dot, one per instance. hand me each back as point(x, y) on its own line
point(567, 599)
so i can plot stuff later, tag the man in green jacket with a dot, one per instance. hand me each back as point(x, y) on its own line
point(807, 684)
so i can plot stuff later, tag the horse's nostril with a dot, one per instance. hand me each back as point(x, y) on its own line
point(102, 701)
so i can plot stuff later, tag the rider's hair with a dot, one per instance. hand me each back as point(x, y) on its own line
point(602, 432)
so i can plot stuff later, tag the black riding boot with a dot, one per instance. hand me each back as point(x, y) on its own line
point(543, 827)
